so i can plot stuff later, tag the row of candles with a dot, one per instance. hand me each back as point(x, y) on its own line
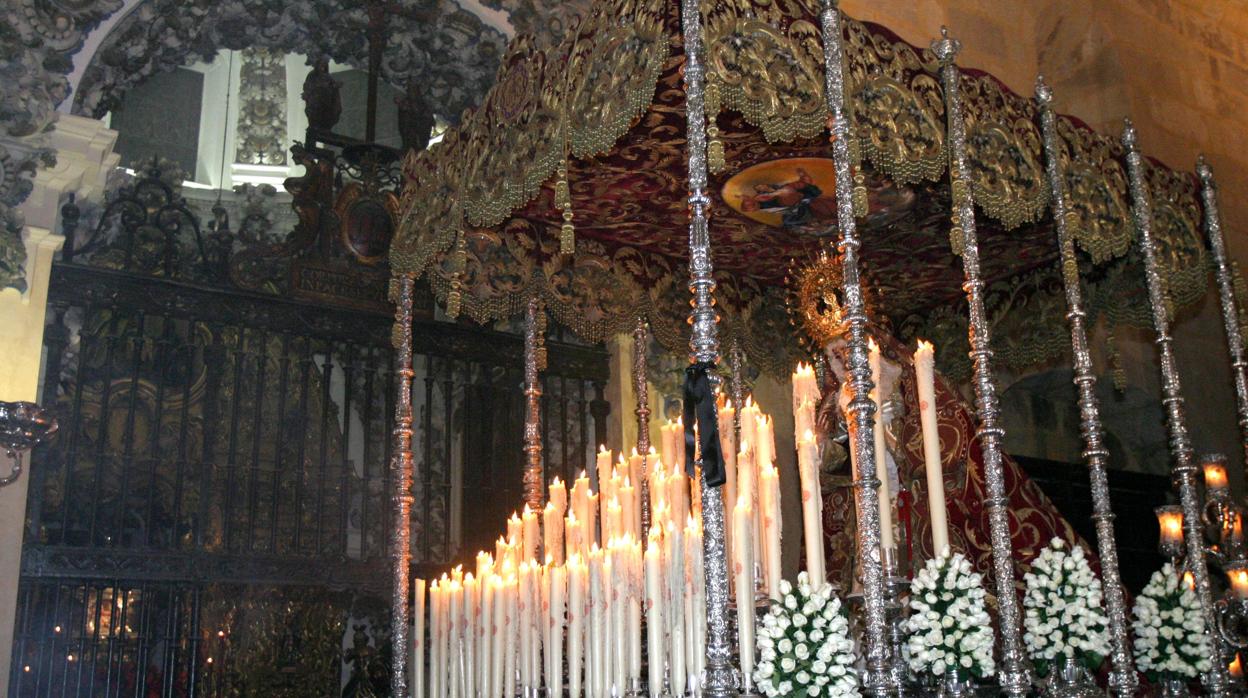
point(574, 581)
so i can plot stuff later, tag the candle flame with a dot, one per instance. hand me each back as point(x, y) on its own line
point(925, 346)
point(872, 345)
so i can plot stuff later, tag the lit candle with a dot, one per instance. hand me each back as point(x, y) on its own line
point(602, 468)
point(654, 612)
point(695, 602)
point(559, 495)
point(597, 624)
point(636, 469)
point(435, 637)
point(472, 611)
point(769, 498)
point(667, 442)
point(925, 375)
point(764, 443)
point(1236, 669)
point(515, 528)
point(525, 625)
point(630, 517)
point(578, 579)
point(552, 533)
point(881, 454)
point(613, 522)
point(532, 533)
point(728, 447)
point(1237, 573)
point(633, 628)
point(580, 497)
point(674, 554)
point(679, 437)
point(574, 542)
point(1214, 465)
point(484, 666)
point(1170, 521)
point(558, 579)
point(592, 516)
point(812, 507)
point(511, 629)
point(455, 651)
point(743, 577)
point(418, 639)
point(678, 495)
point(617, 576)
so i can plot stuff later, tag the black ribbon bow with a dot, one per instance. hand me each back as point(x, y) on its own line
point(700, 410)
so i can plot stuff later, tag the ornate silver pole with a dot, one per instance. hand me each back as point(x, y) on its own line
point(401, 470)
point(878, 680)
point(1013, 675)
point(533, 470)
point(1230, 312)
point(1122, 677)
point(1184, 470)
point(641, 350)
point(720, 680)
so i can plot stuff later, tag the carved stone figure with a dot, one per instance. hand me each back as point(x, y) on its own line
point(321, 99)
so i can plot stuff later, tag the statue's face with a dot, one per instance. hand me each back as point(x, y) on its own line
point(835, 351)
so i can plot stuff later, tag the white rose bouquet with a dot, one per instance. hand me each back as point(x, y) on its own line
point(1064, 618)
point(949, 626)
point(1170, 640)
point(804, 645)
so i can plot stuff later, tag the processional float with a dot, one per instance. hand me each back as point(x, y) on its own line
point(562, 194)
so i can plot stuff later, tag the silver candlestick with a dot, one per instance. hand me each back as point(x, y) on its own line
point(1226, 294)
point(1014, 676)
point(1184, 469)
point(1122, 678)
point(401, 471)
point(641, 349)
point(533, 469)
point(720, 676)
point(878, 679)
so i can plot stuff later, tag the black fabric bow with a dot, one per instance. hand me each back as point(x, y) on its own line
point(700, 410)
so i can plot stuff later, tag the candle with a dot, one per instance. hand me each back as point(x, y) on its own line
point(602, 468)
point(532, 533)
point(633, 629)
point(1170, 520)
point(574, 537)
point(552, 533)
point(812, 507)
point(578, 579)
point(667, 434)
point(728, 447)
point(418, 639)
point(695, 602)
point(769, 498)
point(498, 622)
point(511, 630)
point(580, 497)
point(472, 610)
point(764, 442)
point(559, 495)
point(654, 612)
point(881, 455)
point(1235, 669)
point(674, 554)
point(747, 489)
point(679, 437)
point(636, 468)
point(1237, 574)
point(743, 577)
point(678, 495)
point(630, 516)
point(1216, 484)
point(592, 516)
point(616, 569)
point(485, 621)
point(925, 375)
point(515, 528)
point(455, 651)
point(613, 522)
point(597, 625)
point(525, 625)
point(558, 578)
point(436, 669)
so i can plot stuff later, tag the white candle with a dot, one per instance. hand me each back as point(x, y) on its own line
point(679, 437)
point(558, 577)
point(630, 517)
point(418, 639)
point(485, 642)
point(435, 637)
point(695, 602)
point(678, 495)
point(578, 579)
point(881, 454)
point(812, 508)
point(515, 529)
point(593, 515)
point(636, 469)
point(603, 468)
point(537, 622)
point(618, 577)
point(580, 497)
point(674, 549)
point(728, 447)
point(597, 625)
point(612, 523)
point(552, 533)
point(769, 498)
point(455, 653)
point(743, 576)
point(925, 373)
point(667, 433)
point(633, 630)
point(658, 490)
point(498, 623)
point(511, 631)
point(525, 624)
point(532, 533)
point(472, 612)
point(654, 612)
point(558, 495)
point(574, 542)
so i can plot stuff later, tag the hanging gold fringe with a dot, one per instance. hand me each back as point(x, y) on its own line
point(1117, 372)
point(715, 159)
point(459, 261)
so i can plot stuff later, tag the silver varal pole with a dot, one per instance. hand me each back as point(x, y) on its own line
point(878, 680)
point(1184, 470)
point(1013, 674)
point(401, 492)
point(641, 386)
point(1122, 677)
point(720, 680)
point(533, 468)
point(1226, 293)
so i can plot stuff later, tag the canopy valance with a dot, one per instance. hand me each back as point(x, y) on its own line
point(484, 210)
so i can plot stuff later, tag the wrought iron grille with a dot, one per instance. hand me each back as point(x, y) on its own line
point(214, 516)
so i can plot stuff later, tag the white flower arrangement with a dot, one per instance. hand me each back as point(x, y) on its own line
point(949, 628)
point(1170, 640)
point(1064, 616)
point(804, 645)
